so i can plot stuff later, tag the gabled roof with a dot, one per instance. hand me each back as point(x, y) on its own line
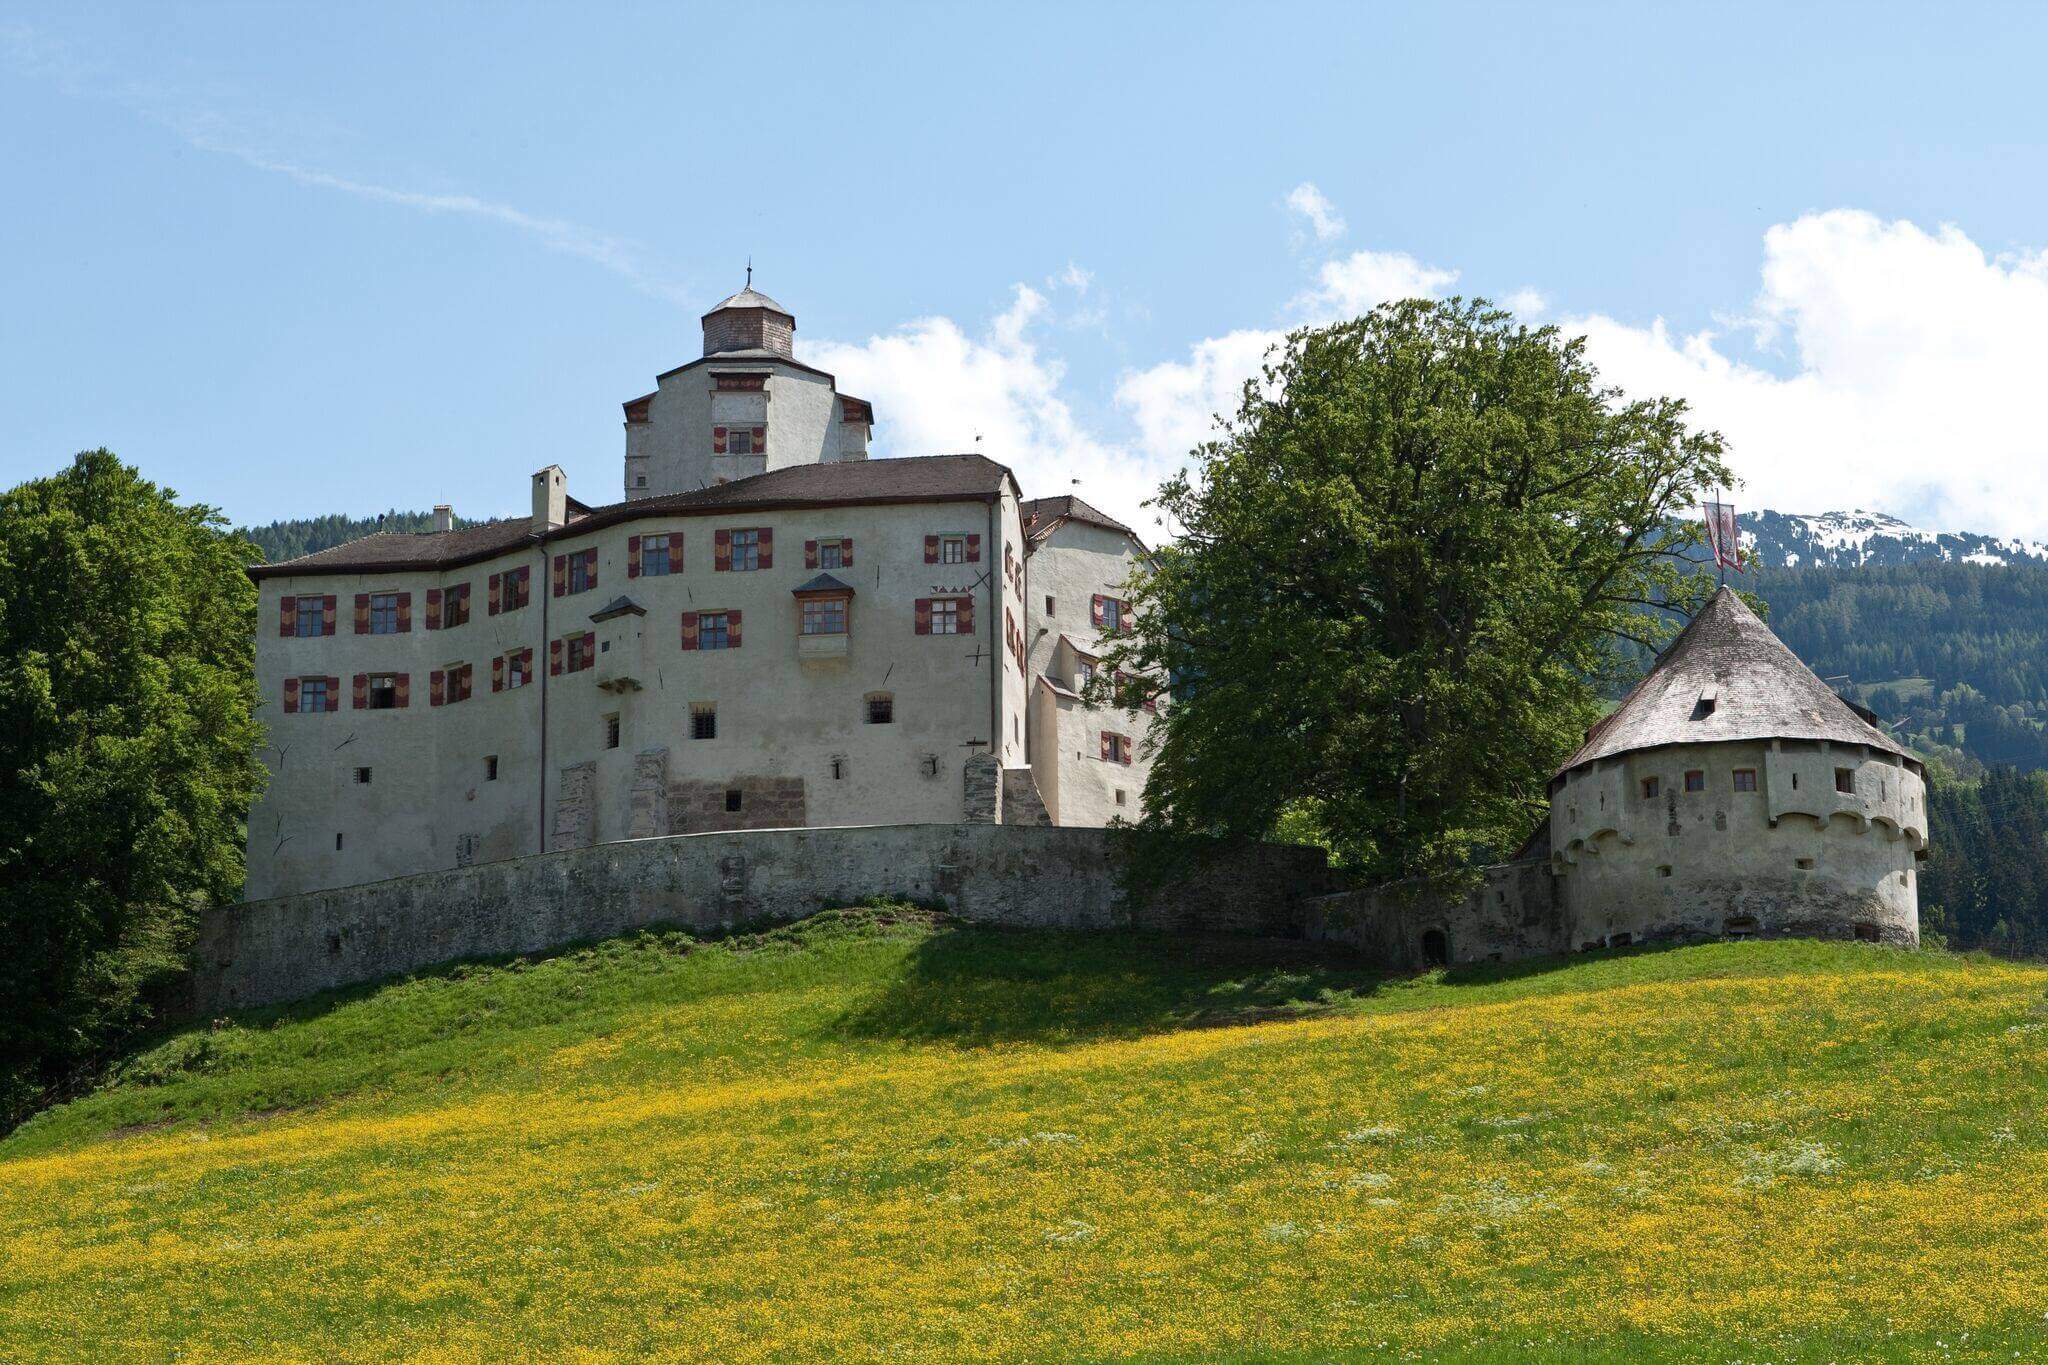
point(848, 483)
point(824, 582)
point(1041, 515)
point(1727, 677)
point(618, 606)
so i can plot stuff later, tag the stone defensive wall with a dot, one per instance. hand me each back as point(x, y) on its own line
point(266, 952)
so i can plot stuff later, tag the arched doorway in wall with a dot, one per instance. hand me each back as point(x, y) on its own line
point(1436, 948)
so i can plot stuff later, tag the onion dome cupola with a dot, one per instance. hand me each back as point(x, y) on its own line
point(750, 324)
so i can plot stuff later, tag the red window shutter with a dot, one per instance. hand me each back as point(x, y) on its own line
point(1126, 750)
point(967, 616)
point(974, 549)
point(334, 694)
point(1105, 744)
point(362, 613)
point(767, 542)
point(632, 556)
point(931, 549)
point(437, 686)
point(561, 574)
point(433, 608)
point(760, 440)
point(361, 690)
point(526, 663)
point(924, 616)
point(721, 551)
point(732, 630)
point(718, 440)
point(327, 614)
point(1123, 614)
point(846, 553)
point(404, 612)
point(291, 696)
point(404, 689)
point(459, 684)
point(590, 563)
point(810, 557)
point(1095, 610)
point(494, 595)
point(554, 658)
point(689, 630)
point(288, 616)
point(675, 551)
point(498, 674)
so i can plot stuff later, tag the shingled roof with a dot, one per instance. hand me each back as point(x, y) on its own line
point(917, 478)
point(1727, 677)
point(1042, 514)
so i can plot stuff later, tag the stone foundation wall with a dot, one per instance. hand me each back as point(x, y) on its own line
point(1512, 913)
point(700, 807)
point(269, 951)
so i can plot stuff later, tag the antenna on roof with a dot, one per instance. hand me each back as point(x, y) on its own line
point(750, 270)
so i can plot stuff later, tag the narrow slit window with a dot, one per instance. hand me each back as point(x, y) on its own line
point(490, 767)
point(611, 731)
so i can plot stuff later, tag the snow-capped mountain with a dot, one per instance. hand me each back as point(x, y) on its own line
point(1847, 539)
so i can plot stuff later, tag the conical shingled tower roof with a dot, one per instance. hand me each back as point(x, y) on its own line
point(1727, 677)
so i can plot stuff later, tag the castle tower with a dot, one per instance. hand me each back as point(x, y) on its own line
point(1734, 794)
point(747, 405)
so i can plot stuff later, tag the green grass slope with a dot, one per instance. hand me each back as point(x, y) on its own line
point(874, 1135)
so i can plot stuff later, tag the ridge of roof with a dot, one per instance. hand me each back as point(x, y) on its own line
point(904, 479)
point(1726, 677)
point(749, 297)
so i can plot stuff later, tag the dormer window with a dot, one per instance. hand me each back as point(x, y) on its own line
point(825, 616)
point(740, 441)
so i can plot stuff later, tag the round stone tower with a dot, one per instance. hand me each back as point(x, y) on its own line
point(1733, 794)
point(750, 323)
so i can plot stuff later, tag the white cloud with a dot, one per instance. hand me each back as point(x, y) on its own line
point(1526, 304)
point(936, 387)
point(1309, 202)
point(1363, 280)
point(1914, 361)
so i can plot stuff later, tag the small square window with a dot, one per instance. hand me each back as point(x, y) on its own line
point(1119, 796)
point(739, 441)
point(1845, 780)
point(704, 722)
point(832, 554)
point(639, 481)
point(654, 557)
point(1695, 781)
point(714, 630)
point(611, 731)
point(383, 691)
point(1664, 871)
point(733, 798)
point(1803, 864)
point(1649, 789)
point(363, 777)
point(881, 709)
point(490, 767)
point(930, 765)
point(952, 549)
point(945, 616)
point(1745, 779)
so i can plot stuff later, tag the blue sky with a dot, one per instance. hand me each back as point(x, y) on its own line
point(336, 259)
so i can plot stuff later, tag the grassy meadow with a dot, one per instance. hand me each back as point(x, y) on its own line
point(876, 1136)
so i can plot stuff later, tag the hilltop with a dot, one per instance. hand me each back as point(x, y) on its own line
point(877, 1133)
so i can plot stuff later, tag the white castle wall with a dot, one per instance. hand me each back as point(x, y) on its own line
point(1795, 856)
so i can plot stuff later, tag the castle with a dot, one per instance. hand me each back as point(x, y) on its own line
point(770, 630)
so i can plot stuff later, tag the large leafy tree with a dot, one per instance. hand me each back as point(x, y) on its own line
point(127, 754)
point(1403, 575)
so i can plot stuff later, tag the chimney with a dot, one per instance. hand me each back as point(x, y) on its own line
point(550, 498)
point(444, 517)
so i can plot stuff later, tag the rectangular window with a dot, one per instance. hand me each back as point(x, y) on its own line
point(832, 554)
point(611, 731)
point(455, 606)
point(1845, 780)
point(704, 721)
point(337, 841)
point(383, 691)
point(490, 767)
point(383, 613)
point(733, 800)
point(362, 777)
point(313, 694)
point(714, 630)
point(746, 551)
point(654, 557)
point(825, 616)
point(881, 708)
point(952, 549)
point(945, 616)
point(582, 570)
point(581, 651)
point(1745, 779)
point(1107, 613)
point(518, 587)
point(1116, 748)
point(1048, 606)
point(1695, 781)
point(740, 441)
point(1084, 674)
point(518, 669)
point(309, 617)
point(1649, 789)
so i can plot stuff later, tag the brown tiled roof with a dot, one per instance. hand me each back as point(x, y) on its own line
point(1758, 689)
point(1042, 514)
point(910, 479)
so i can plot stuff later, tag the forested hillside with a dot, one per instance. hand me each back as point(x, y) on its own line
point(289, 539)
point(1954, 657)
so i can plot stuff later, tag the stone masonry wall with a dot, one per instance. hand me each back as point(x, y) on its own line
point(701, 807)
point(263, 952)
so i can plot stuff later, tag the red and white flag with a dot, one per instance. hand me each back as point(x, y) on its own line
point(1722, 537)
